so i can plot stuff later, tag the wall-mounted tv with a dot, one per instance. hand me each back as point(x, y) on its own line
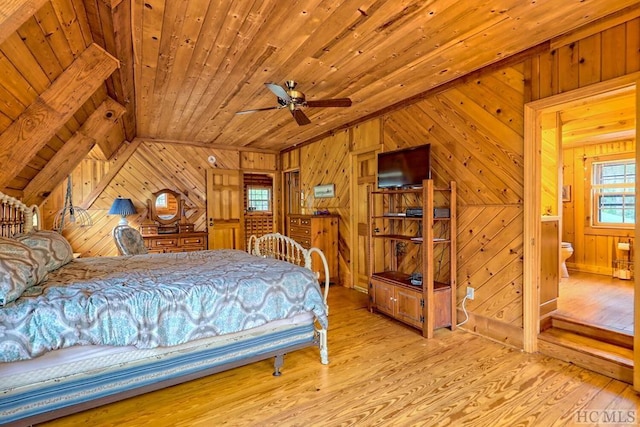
point(404, 168)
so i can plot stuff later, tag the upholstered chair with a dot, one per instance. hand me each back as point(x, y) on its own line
point(129, 240)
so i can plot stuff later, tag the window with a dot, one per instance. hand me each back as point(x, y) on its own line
point(613, 193)
point(258, 199)
point(161, 201)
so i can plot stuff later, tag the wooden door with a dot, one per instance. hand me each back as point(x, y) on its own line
point(364, 173)
point(225, 215)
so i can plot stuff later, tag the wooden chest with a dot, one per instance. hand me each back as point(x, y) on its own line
point(176, 242)
point(320, 231)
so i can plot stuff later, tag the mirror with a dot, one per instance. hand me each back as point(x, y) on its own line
point(165, 206)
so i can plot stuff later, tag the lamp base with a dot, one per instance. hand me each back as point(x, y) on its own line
point(123, 221)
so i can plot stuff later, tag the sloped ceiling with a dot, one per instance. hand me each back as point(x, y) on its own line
point(186, 67)
point(200, 61)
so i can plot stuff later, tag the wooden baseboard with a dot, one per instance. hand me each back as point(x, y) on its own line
point(493, 329)
point(593, 269)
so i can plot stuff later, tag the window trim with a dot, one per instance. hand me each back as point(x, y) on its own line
point(590, 203)
point(269, 200)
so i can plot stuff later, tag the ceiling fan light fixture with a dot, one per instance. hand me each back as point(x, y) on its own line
point(294, 100)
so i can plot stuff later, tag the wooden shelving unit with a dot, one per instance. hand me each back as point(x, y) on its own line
point(402, 247)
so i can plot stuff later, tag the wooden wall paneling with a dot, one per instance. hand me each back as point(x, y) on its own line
point(628, 14)
point(139, 169)
point(106, 22)
point(592, 249)
point(150, 14)
point(56, 37)
point(590, 70)
point(116, 163)
point(367, 135)
point(258, 161)
point(213, 76)
point(52, 109)
point(70, 155)
point(613, 52)
point(290, 159)
point(633, 46)
point(14, 12)
point(187, 19)
point(327, 162)
point(31, 33)
point(568, 66)
point(72, 17)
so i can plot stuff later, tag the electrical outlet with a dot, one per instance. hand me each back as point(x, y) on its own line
point(471, 293)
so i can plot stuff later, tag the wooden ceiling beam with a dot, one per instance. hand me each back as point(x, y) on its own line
point(73, 151)
point(110, 24)
point(52, 109)
point(13, 13)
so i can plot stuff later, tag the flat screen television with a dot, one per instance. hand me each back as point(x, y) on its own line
point(404, 168)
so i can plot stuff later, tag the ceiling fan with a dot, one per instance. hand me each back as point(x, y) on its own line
point(293, 100)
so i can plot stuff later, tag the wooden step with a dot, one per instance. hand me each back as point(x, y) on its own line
point(600, 333)
point(608, 359)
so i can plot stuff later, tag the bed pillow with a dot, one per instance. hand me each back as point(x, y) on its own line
point(20, 268)
point(56, 246)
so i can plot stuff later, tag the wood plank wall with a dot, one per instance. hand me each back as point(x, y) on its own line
point(476, 130)
point(152, 167)
point(605, 50)
point(594, 250)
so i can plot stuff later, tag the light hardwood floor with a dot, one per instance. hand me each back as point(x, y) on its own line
point(382, 373)
point(598, 300)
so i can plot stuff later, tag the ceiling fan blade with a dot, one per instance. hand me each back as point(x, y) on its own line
point(255, 110)
point(279, 91)
point(338, 102)
point(301, 118)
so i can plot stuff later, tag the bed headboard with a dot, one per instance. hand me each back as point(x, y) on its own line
point(15, 216)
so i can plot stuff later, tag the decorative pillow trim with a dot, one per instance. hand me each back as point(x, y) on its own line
point(58, 249)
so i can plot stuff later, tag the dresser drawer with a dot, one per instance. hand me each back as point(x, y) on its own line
point(164, 243)
point(192, 241)
point(304, 241)
point(294, 221)
point(299, 231)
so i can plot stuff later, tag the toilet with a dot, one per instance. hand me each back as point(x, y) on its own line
point(566, 250)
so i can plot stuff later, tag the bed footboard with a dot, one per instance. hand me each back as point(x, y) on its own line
point(278, 246)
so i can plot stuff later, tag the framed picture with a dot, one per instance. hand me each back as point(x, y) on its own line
point(566, 193)
point(324, 191)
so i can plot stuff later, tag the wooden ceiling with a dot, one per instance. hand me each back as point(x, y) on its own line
point(612, 118)
point(201, 61)
point(186, 67)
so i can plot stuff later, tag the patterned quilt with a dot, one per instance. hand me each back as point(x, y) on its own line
point(155, 300)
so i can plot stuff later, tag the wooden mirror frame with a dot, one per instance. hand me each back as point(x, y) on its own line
point(154, 213)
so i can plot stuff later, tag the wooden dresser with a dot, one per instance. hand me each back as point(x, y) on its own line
point(176, 242)
point(320, 231)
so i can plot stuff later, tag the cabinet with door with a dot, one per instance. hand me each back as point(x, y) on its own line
point(412, 255)
point(320, 231)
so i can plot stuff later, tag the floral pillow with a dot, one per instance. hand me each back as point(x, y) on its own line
point(58, 250)
point(20, 268)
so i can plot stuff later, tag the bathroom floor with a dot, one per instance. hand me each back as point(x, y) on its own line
point(598, 300)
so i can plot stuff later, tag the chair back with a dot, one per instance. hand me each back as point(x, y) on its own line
point(129, 241)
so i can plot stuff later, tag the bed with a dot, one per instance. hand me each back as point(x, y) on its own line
point(96, 330)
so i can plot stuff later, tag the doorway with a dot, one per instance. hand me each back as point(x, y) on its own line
point(258, 203)
point(534, 113)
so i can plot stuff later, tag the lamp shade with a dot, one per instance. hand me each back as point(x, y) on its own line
point(122, 207)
